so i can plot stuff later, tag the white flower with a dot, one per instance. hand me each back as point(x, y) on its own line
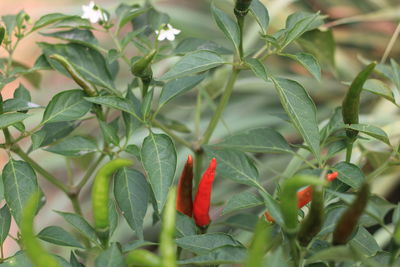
point(167, 32)
point(93, 13)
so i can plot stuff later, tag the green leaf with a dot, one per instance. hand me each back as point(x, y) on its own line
point(22, 93)
point(122, 104)
point(379, 88)
point(205, 243)
point(113, 216)
point(9, 119)
point(74, 146)
point(227, 25)
point(66, 106)
point(79, 224)
point(52, 132)
point(261, 140)
point(10, 22)
point(84, 37)
point(193, 63)
point(273, 207)
point(222, 255)
point(320, 44)
point(335, 253)
point(49, 19)
point(57, 235)
point(194, 44)
point(258, 68)
point(365, 242)
point(349, 174)
point(178, 87)
point(301, 110)
point(234, 165)
point(185, 225)
point(131, 192)
point(5, 222)
point(20, 183)
point(129, 15)
point(13, 104)
point(244, 221)
point(159, 161)
point(241, 201)
point(308, 61)
point(260, 13)
point(131, 122)
point(137, 244)
point(370, 130)
point(109, 132)
point(87, 61)
point(111, 257)
point(395, 73)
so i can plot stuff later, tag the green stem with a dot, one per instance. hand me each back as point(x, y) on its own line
point(349, 150)
point(224, 101)
point(240, 20)
point(170, 133)
point(49, 177)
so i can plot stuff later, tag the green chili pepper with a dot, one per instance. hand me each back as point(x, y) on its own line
point(142, 257)
point(87, 87)
point(242, 7)
point(351, 102)
point(259, 244)
point(288, 196)
point(349, 219)
point(312, 224)
point(36, 253)
point(100, 191)
point(167, 237)
point(141, 68)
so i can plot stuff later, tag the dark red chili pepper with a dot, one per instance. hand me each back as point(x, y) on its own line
point(304, 196)
point(201, 204)
point(184, 202)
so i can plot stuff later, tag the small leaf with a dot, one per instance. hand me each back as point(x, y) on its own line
point(185, 225)
point(261, 140)
point(241, 201)
point(110, 134)
point(57, 235)
point(52, 132)
point(194, 44)
point(159, 161)
point(201, 244)
point(15, 104)
point(84, 37)
point(396, 73)
point(222, 255)
point(379, 88)
point(244, 221)
point(79, 224)
point(20, 183)
point(66, 106)
point(178, 87)
point(112, 256)
point(227, 25)
point(74, 146)
point(5, 222)
point(260, 12)
point(365, 242)
point(193, 63)
point(131, 192)
point(129, 15)
point(9, 119)
point(308, 61)
point(49, 19)
point(349, 174)
point(258, 68)
point(372, 131)
point(234, 165)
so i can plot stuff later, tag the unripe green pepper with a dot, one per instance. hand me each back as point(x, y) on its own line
point(259, 244)
point(242, 7)
point(87, 87)
point(314, 220)
point(351, 102)
point(349, 219)
point(36, 253)
point(141, 68)
point(167, 236)
point(100, 192)
point(142, 257)
point(288, 197)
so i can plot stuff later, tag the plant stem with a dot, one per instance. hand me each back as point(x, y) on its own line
point(240, 20)
point(224, 101)
point(391, 44)
point(49, 177)
point(170, 133)
point(349, 150)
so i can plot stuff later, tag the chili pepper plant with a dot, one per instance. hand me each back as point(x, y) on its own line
point(272, 133)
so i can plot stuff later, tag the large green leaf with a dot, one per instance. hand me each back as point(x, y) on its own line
point(379, 88)
point(241, 201)
point(74, 146)
point(349, 174)
point(229, 27)
point(111, 257)
point(49, 19)
point(57, 235)
point(84, 37)
point(5, 222)
point(258, 68)
point(11, 105)
point(20, 183)
point(79, 224)
point(66, 106)
point(372, 131)
point(87, 61)
point(201, 244)
point(9, 119)
point(51, 132)
point(308, 61)
point(234, 165)
point(185, 225)
point(131, 192)
point(365, 242)
point(159, 160)
point(222, 255)
point(261, 140)
point(301, 110)
point(261, 15)
point(193, 63)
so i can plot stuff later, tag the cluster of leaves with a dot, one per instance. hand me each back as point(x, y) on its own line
point(125, 111)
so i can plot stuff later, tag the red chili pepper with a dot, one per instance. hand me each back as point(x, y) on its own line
point(184, 202)
point(304, 196)
point(201, 205)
